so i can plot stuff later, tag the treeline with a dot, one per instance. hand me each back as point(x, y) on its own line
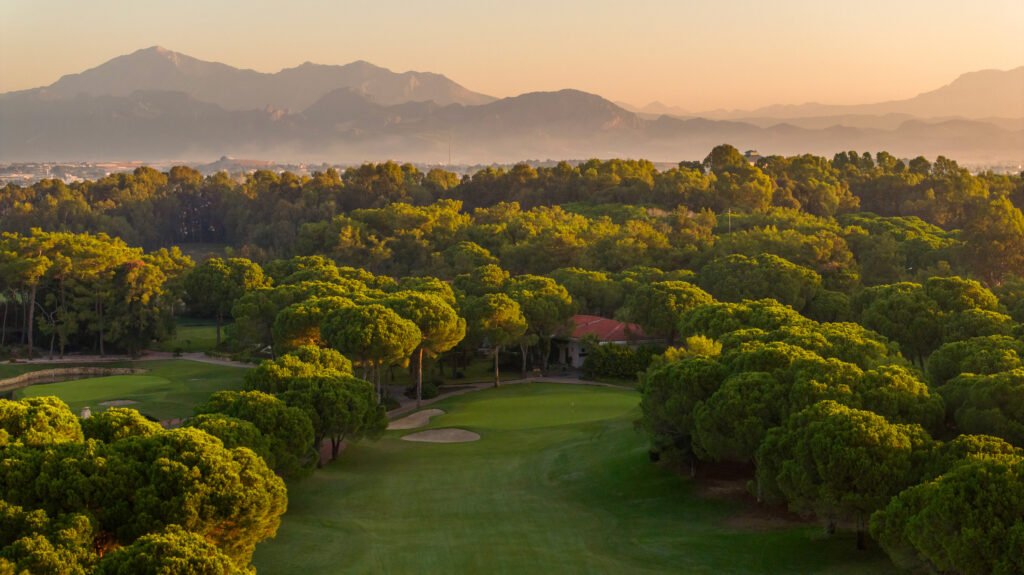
point(266, 211)
point(85, 291)
point(376, 321)
point(831, 420)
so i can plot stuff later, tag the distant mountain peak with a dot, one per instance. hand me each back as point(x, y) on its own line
point(157, 68)
point(978, 94)
point(156, 51)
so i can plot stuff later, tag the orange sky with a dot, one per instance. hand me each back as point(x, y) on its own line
point(698, 55)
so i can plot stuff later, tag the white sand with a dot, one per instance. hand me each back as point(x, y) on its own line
point(418, 419)
point(117, 402)
point(447, 435)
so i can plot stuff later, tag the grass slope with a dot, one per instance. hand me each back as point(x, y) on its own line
point(559, 483)
point(168, 391)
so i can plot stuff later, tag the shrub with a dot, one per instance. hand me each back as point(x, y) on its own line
point(430, 390)
point(618, 361)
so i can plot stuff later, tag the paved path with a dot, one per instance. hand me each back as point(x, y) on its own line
point(146, 356)
point(408, 405)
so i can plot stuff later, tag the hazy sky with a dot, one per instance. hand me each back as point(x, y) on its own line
point(695, 54)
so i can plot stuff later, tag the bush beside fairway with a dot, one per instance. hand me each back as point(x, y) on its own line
point(168, 391)
point(558, 483)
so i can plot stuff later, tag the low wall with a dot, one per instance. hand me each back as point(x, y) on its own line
point(63, 374)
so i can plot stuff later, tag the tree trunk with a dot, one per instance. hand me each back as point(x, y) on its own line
point(419, 379)
point(335, 446)
point(378, 371)
point(219, 320)
point(63, 324)
point(31, 318)
point(375, 374)
point(99, 308)
point(3, 331)
point(497, 377)
point(545, 346)
point(522, 348)
point(23, 317)
point(862, 540)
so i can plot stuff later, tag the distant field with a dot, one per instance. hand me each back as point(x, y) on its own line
point(168, 391)
point(202, 252)
point(191, 335)
point(559, 483)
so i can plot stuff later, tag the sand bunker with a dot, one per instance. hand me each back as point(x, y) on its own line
point(117, 402)
point(418, 419)
point(448, 435)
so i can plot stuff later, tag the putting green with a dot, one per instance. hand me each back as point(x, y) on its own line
point(169, 391)
point(559, 482)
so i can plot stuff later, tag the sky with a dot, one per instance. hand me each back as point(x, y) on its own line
point(698, 55)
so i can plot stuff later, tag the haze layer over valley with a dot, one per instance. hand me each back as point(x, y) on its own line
point(159, 105)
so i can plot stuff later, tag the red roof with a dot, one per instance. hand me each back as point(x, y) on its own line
point(605, 329)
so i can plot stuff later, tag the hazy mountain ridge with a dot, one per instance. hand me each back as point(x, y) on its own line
point(294, 89)
point(973, 95)
point(382, 115)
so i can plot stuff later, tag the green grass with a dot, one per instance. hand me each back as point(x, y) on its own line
point(168, 391)
point(558, 483)
point(191, 335)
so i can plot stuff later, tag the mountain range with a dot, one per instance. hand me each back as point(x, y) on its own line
point(159, 105)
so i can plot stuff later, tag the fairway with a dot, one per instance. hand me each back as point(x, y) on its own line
point(558, 483)
point(168, 391)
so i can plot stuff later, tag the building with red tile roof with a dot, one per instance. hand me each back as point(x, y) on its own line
point(604, 330)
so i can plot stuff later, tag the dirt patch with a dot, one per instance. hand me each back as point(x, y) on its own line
point(418, 419)
point(325, 451)
point(722, 488)
point(117, 402)
point(754, 516)
point(766, 519)
point(448, 435)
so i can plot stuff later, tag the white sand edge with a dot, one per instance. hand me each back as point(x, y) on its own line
point(117, 402)
point(418, 419)
point(447, 435)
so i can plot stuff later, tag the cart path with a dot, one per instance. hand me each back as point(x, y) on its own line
point(146, 356)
